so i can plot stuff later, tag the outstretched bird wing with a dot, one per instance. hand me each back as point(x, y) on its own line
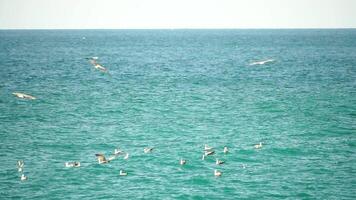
point(100, 157)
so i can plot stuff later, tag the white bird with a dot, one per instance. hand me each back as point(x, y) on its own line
point(20, 165)
point(208, 153)
point(258, 146)
point(262, 62)
point(217, 173)
point(219, 162)
point(23, 177)
point(226, 150)
point(126, 156)
point(72, 164)
point(182, 162)
point(100, 67)
point(117, 151)
point(23, 96)
point(207, 148)
point(96, 65)
point(122, 173)
point(102, 160)
point(147, 149)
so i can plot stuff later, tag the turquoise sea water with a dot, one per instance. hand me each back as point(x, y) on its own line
point(177, 90)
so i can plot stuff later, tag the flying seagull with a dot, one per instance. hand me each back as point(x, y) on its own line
point(20, 165)
point(207, 148)
point(96, 65)
point(208, 153)
point(102, 160)
point(117, 151)
point(262, 62)
point(23, 96)
point(126, 156)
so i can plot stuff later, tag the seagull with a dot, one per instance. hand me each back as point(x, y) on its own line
point(20, 165)
point(102, 160)
point(258, 146)
point(217, 173)
point(23, 177)
point(23, 96)
point(147, 149)
point(96, 65)
point(72, 164)
point(208, 153)
point(226, 150)
point(117, 151)
point(262, 62)
point(123, 173)
point(182, 162)
point(100, 67)
point(207, 148)
point(219, 162)
point(126, 156)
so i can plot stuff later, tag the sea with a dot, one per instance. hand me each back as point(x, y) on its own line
point(175, 91)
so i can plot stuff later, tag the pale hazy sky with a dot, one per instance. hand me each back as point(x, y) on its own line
point(90, 14)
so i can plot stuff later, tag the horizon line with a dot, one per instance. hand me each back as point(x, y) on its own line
point(275, 28)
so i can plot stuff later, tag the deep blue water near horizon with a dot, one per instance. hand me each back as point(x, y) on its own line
point(177, 90)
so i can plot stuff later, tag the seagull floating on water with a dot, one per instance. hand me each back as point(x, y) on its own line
point(258, 146)
point(217, 173)
point(23, 96)
point(23, 177)
point(262, 62)
point(219, 162)
point(147, 149)
point(123, 173)
point(182, 162)
point(72, 164)
point(126, 156)
point(226, 150)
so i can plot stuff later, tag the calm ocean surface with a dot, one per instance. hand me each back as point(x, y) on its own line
point(177, 90)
